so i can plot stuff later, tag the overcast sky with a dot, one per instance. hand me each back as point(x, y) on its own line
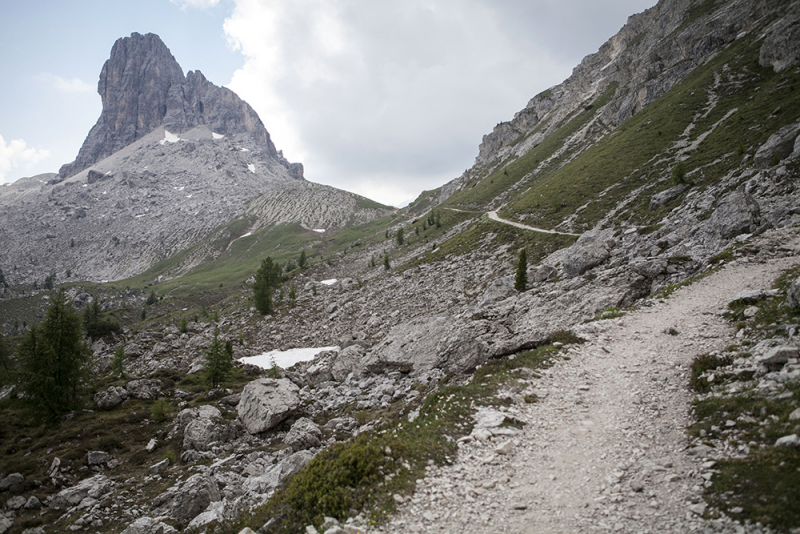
point(385, 98)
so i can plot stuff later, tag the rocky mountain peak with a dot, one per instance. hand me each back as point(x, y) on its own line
point(143, 87)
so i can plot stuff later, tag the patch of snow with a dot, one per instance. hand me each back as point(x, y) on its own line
point(251, 168)
point(285, 358)
point(245, 149)
point(245, 235)
point(105, 192)
point(329, 282)
point(139, 216)
point(216, 136)
point(169, 138)
point(188, 196)
point(181, 188)
point(85, 185)
point(319, 230)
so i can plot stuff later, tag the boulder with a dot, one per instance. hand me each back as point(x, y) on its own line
point(792, 440)
point(187, 415)
point(95, 488)
point(779, 145)
point(776, 357)
point(736, 213)
point(148, 525)
point(304, 434)
point(146, 389)
point(410, 346)
point(285, 468)
point(664, 197)
point(110, 398)
point(184, 502)
point(793, 295)
point(12, 482)
point(202, 433)
point(346, 361)
point(590, 250)
point(266, 402)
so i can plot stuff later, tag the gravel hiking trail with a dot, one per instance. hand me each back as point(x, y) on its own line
point(605, 449)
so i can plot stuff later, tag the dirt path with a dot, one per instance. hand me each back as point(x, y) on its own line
point(605, 449)
point(495, 217)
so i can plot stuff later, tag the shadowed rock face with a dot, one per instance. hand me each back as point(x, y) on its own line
point(142, 87)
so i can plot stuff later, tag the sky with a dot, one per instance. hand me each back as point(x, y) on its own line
point(382, 98)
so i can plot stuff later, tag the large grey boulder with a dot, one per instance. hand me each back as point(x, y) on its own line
point(463, 350)
point(187, 415)
point(146, 389)
point(410, 346)
point(194, 497)
point(776, 357)
point(202, 434)
point(736, 213)
point(94, 488)
point(793, 295)
point(148, 525)
point(183, 502)
point(590, 250)
point(778, 146)
point(266, 402)
point(12, 482)
point(304, 434)
point(346, 361)
point(110, 398)
point(274, 475)
point(664, 197)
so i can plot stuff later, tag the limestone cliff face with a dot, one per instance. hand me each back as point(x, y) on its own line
point(142, 87)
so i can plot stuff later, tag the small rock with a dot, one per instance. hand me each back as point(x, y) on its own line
point(159, 467)
point(795, 415)
point(636, 485)
point(12, 482)
point(311, 530)
point(398, 498)
point(504, 448)
point(15, 503)
point(737, 510)
point(751, 311)
point(699, 508)
point(520, 506)
point(792, 440)
point(151, 445)
point(33, 503)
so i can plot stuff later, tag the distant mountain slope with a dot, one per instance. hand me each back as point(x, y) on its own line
point(650, 55)
point(170, 160)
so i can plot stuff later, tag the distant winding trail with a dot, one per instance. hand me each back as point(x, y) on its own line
point(495, 217)
point(605, 448)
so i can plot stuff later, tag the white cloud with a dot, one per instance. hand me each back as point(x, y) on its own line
point(197, 4)
point(397, 94)
point(360, 91)
point(63, 85)
point(17, 154)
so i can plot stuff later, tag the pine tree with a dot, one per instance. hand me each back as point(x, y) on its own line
point(400, 237)
point(292, 296)
point(301, 262)
point(2, 279)
point(267, 280)
point(521, 282)
point(218, 362)
point(386, 265)
point(54, 360)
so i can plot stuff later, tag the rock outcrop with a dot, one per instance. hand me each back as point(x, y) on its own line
point(142, 87)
